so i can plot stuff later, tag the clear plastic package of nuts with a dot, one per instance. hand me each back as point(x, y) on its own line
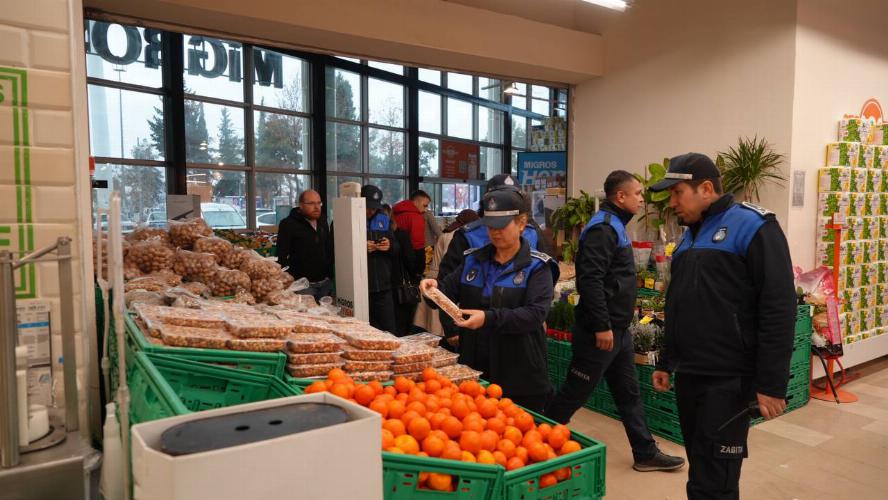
point(183, 234)
point(419, 366)
point(302, 323)
point(196, 266)
point(413, 352)
point(196, 288)
point(366, 366)
point(150, 255)
point(262, 287)
point(444, 303)
point(374, 340)
point(427, 338)
point(383, 376)
point(459, 373)
point(443, 357)
point(258, 344)
point(315, 370)
point(259, 269)
point(198, 318)
point(235, 258)
point(286, 278)
point(214, 245)
point(355, 354)
point(143, 233)
point(314, 358)
point(257, 326)
point(146, 283)
point(148, 318)
point(185, 336)
point(227, 282)
point(145, 297)
point(167, 276)
point(303, 343)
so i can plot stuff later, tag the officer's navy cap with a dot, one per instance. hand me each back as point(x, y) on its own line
point(687, 167)
point(373, 195)
point(500, 181)
point(501, 206)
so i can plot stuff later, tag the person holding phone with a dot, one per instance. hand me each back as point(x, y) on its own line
point(381, 251)
point(505, 290)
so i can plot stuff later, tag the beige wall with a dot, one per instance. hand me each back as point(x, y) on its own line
point(422, 32)
point(688, 75)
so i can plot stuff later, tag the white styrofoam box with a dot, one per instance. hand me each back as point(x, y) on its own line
point(49, 166)
point(13, 46)
point(54, 204)
point(49, 51)
point(37, 14)
point(337, 462)
point(49, 89)
point(52, 128)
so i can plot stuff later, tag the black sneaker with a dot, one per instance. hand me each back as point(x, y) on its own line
point(659, 462)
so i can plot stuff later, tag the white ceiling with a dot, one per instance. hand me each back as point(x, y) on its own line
point(573, 14)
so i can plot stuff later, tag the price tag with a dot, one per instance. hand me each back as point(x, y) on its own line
point(649, 283)
point(645, 320)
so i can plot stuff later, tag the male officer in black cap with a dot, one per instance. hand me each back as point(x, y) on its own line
point(730, 310)
point(382, 247)
point(602, 343)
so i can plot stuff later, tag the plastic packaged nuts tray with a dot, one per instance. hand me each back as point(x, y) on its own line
point(382, 376)
point(302, 343)
point(303, 323)
point(257, 326)
point(459, 373)
point(355, 354)
point(413, 352)
point(257, 344)
point(443, 358)
point(366, 366)
point(316, 370)
point(428, 338)
point(199, 318)
point(186, 336)
point(419, 366)
point(374, 340)
point(444, 303)
point(314, 358)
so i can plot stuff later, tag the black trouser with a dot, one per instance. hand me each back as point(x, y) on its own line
point(404, 314)
point(704, 404)
point(382, 310)
point(617, 366)
point(533, 402)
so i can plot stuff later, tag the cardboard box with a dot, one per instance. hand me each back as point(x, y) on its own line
point(834, 179)
point(858, 180)
point(878, 133)
point(337, 462)
point(855, 129)
point(832, 203)
point(874, 181)
point(842, 154)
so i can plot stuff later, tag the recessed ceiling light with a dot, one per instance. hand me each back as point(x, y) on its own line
point(619, 5)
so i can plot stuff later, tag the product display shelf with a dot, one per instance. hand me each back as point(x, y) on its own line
point(480, 481)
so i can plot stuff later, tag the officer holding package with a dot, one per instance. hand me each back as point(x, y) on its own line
point(730, 311)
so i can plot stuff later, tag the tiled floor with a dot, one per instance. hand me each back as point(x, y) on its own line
point(822, 451)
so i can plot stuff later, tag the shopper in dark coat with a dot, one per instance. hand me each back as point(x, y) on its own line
point(382, 252)
point(730, 313)
point(305, 245)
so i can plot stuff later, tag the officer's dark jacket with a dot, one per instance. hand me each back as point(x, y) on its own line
point(731, 305)
point(379, 263)
point(516, 298)
point(606, 278)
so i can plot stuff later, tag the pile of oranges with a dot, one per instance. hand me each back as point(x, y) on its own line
point(466, 422)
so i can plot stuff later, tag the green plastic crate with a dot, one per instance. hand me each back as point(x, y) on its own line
point(268, 363)
point(400, 476)
point(664, 425)
point(559, 354)
point(162, 386)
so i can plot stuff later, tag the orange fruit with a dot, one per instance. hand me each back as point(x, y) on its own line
point(451, 451)
point(514, 463)
point(436, 419)
point(417, 407)
point(506, 447)
point(432, 404)
point(388, 439)
point(416, 394)
point(538, 452)
point(337, 374)
point(473, 424)
point(389, 390)
point(489, 440)
point(550, 452)
point(557, 437)
point(500, 457)
point(440, 482)
point(486, 457)
point(403, 384)
point(520, 452)
point(340, 389)
point(531, 437)
point(563, 429)
point(524, 421)
point(494, 391)
point(376, 386)
point(407, 443)
point(563, 474)
point(408, 416)
point(468, 457)
point(432, 386)
point(544, 429)
point(316, 386)
point(421, 386)
point(452, 427)
point(513, 434)
point(419, 428)
point(460, 409)
point(380, 407)
point(395, 426)
point(433, 445)
point(396, 409)
point(470, 441)
point(423, 478)
point(364, 394)
point(548, 480)
point(394, 449)
point(570, 447)
point(496, 425)
point(464, 387)
point(429, 374)
point(505, 403)
point(440, 435)
point(328, 383)
point(445, 382)
point(487, 409)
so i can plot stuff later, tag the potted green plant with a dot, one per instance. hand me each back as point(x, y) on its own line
point(647, 338)
point(570, 218)
point(750, 165)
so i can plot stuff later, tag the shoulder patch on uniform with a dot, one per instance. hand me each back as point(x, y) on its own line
point(540, 255)
point(764, 212)
point(471, 225)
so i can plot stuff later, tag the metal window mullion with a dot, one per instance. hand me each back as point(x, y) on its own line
point(365, 129)
point(110, 160)
point(318, 130)
point(412, 156)
point(249, 135)
point(174, 112)
point(506, 163)
point(215, 100)
point(214, 166)
point(281, 111)
point(91, 80)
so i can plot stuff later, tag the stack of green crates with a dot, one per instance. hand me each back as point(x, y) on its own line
point(661, 408)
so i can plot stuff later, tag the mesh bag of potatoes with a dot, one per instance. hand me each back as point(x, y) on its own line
point(259, 269)
point(261, 288)
point(235, 258)
point(216, 246)
point(195, 266)
point(150, 255)
point(183, 234)
point(146, 233)
point(227, 282)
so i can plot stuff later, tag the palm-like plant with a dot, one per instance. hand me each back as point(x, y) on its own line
point(747, 167)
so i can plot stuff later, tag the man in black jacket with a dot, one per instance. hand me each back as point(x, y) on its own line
point(382, 255)
point(730, 312)
point(305, 247)
point(602, 343)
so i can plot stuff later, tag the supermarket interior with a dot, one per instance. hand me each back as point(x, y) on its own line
point(496, 249)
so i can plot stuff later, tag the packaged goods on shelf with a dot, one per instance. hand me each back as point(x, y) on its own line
point(832, 203)
point(856, 204)
point(366, 366)
point(185, 336)
point(875, 182)
point(355, 354)
point(417, 367)
point(371, 339)
point(459, 373)
point(413, 352)
point(834, 179)
point(314, 358)
point(842, 154)
point(382, 376)
point(257, 344)
point(316, 370)
point(183, 234)
point(150, 255)
point(443, 357)
point(858, 180)
point(425, 337)
point(855, 129)
point(873, 156)
point(257, 326)
point(303, 343)
point(879, 134)
point(214, 245)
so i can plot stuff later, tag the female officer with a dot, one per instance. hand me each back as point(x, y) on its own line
point(505, 292)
